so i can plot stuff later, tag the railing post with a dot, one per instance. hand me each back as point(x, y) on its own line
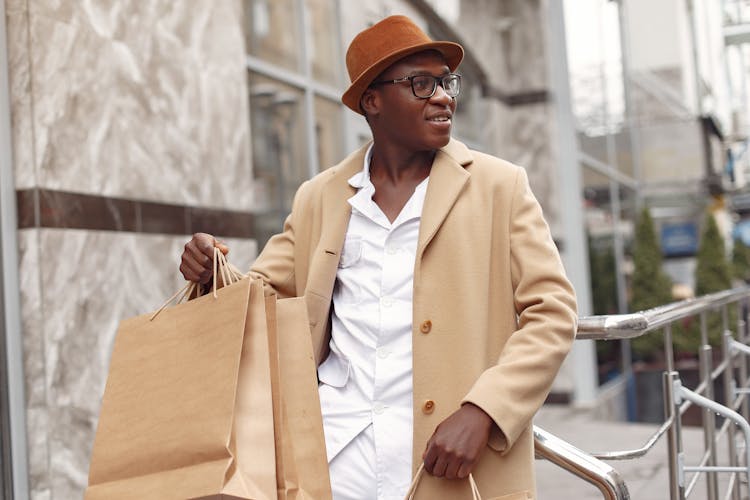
point(669, 347)
point(742, 311)
point(709, 422)
point(674, 438)
point(729, 398)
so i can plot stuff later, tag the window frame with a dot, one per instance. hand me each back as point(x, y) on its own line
point(303, 80)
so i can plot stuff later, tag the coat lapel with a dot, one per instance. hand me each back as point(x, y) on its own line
point(447, 179)
point(336, 208)
point(335, 220)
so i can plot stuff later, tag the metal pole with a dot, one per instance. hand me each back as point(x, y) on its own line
point(575, 252)
point(742, 361)
point(674, 438)
point(631, 115)
point(14, 414)
point(669, 347)
point(729, 401)
point(626, 357)
point(704, 328)
point(696, 62)
point(709, 423)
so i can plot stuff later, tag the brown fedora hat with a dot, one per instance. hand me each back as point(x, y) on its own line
point(381, 45)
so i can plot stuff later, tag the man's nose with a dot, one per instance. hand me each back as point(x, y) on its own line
point(440, 96)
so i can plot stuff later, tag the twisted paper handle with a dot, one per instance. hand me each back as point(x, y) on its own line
point(229, 274)
point(413, 487)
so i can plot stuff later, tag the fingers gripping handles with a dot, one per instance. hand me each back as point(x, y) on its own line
point(222, 269)
point(415, 482)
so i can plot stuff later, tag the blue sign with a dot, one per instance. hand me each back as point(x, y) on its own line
point(742, 231)
point(679, 239)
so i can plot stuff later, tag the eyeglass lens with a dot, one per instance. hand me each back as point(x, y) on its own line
point(425, 85)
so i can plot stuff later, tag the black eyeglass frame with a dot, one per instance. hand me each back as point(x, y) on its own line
point(435, 81)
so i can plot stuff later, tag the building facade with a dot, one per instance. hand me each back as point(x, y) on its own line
point(133, 124)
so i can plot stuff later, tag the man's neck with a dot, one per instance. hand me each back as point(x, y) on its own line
point(391, 166)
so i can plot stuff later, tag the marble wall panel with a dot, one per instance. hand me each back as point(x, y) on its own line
point(510, 45)
point(92, 280)
point(38, 453)
point(30, 291)
point(37, 410)
point(140, 99)
point(525, 51)
point(17, 39)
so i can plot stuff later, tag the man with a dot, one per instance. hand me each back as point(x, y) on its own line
point(439, 308)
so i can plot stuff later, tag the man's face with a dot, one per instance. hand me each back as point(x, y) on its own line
point(415, 123)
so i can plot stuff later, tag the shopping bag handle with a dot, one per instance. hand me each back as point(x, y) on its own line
point(413, 487)
point(229, 274)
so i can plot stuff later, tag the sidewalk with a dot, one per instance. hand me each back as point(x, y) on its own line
point(647, 478)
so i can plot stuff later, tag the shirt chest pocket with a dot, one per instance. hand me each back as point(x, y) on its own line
point(335, 370)
point(351, 253)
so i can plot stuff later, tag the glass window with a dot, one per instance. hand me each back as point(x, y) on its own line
point(273, 32)
point(323, 43)
point(280, 162)
point(329, 131)
point(296, 118)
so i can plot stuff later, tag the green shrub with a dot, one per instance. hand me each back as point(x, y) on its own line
point(651, 287)
point(713, 273)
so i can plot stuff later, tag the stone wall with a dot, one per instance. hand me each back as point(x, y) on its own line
point(129, 118)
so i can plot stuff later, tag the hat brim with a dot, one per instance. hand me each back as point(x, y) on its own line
point(452, 52)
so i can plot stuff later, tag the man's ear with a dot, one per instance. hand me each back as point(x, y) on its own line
point(370, 102)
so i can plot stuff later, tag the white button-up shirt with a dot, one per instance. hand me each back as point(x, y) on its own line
point(367, 379)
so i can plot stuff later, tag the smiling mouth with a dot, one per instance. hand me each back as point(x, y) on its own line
point(440, 119)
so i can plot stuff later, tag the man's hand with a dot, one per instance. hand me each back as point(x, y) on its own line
point(198, 257)
point(457, 443)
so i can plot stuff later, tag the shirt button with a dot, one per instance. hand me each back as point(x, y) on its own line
point(383, 352)
point(426, 326)
point(428, 407)
point(386, 301)
point(391, 250)
point(378, 408)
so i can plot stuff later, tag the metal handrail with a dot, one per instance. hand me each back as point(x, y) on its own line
point(581, 464)
point(629, 326)
point(677, 399)
point(637, 452)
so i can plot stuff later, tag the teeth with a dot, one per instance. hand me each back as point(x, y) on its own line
point(440, 119)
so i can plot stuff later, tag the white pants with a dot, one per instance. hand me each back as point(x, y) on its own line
point(353, 474)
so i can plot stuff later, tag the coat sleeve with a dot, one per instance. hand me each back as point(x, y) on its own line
point(276, 263)
point(512, 390)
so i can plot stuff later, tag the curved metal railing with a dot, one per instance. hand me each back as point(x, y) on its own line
point(732, 368)
point(580, 463)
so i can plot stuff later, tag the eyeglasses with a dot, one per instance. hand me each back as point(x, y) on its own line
point(424, 86)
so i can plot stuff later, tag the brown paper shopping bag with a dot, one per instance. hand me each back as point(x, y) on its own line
point(301, 465)
point(187, 410)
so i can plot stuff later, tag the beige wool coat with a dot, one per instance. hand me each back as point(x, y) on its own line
point(493, 313)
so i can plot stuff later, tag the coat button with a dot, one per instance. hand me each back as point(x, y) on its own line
point(426, 326)
point(428, 407)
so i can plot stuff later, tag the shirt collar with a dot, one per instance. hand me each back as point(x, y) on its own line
point(362, 178)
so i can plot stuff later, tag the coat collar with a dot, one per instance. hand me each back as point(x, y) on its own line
point(448, 177)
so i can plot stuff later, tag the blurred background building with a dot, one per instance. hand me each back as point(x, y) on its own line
point(127, 125)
